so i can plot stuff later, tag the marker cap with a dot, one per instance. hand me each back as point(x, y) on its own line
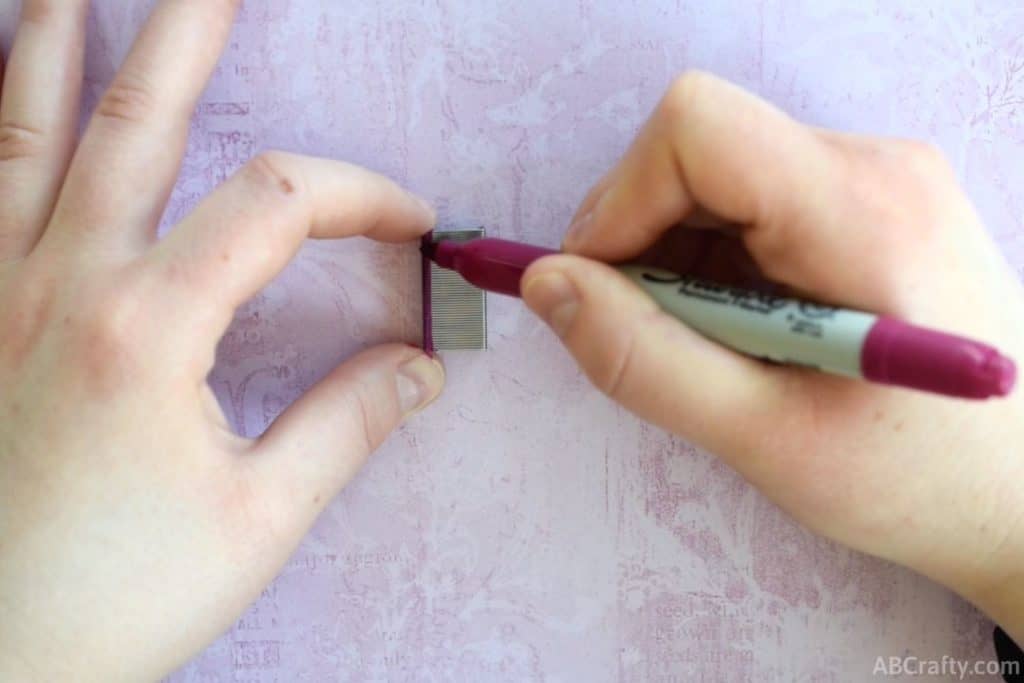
point(898, 353)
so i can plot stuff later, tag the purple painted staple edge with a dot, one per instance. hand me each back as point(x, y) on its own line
point(428, 311)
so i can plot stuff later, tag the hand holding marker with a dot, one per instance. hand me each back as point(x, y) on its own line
point(881, 224)
point(840, 341)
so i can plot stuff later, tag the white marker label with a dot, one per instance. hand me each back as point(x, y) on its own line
point(761, 325)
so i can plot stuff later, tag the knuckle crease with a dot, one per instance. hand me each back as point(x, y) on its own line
point(20, 141)
point(126, 102)
point(618, 376)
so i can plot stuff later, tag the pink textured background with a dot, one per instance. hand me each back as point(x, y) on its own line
point(525, 529)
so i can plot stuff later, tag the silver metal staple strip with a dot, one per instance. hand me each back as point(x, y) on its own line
point(459, 309)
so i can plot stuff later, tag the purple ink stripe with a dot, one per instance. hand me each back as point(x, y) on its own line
point(428, 311)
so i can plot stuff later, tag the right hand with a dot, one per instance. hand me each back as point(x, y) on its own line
point(872, 224)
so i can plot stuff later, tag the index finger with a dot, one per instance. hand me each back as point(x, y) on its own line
point(247, 231)
point(710, 145)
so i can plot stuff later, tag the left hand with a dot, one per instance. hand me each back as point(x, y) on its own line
point(134, 525)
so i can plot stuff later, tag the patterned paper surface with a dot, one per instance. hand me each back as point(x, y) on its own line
point(524, 528)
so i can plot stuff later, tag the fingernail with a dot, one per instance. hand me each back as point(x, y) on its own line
point(555, 299)
point(578, 230)
point(419, 380)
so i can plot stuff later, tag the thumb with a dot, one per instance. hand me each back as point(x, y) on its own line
point(652, 364)
point(315, 447)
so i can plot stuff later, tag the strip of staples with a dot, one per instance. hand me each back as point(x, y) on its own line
point(458, 309)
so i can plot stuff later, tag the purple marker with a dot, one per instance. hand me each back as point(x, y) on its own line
point(835, 340)
point(825, 338)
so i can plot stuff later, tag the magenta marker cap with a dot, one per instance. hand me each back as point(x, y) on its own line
point(898, 353)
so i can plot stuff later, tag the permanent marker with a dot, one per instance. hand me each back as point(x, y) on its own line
point(836, 340)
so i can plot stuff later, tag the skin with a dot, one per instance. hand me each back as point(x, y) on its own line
point(135, 526)
point(879, 225)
